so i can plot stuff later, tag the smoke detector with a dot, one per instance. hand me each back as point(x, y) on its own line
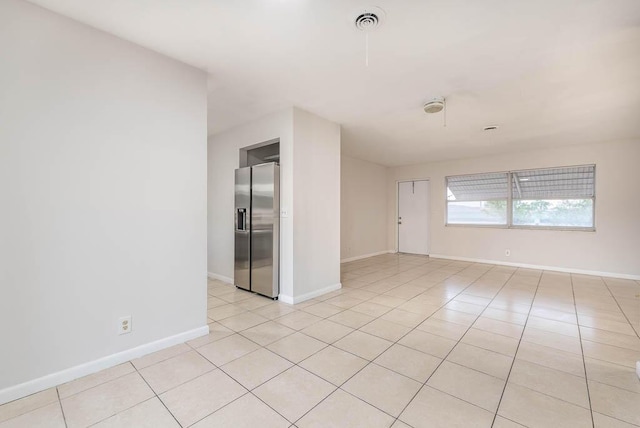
point(368, 19)
point(434, 105)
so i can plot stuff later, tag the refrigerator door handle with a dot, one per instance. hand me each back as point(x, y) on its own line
point(241, 219)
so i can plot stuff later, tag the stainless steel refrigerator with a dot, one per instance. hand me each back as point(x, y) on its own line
point(257, 229)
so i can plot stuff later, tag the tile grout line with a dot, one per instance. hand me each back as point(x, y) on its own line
point(584, 367)
point(506, 382)
point(371, 361)
point(344, 309)
point(309, 313)
point(313, 374)
point(411, 267)
point(59, 399)
point(96, 385)
point(64, 418)
point(458, 342)
point(620, 307)
point(554, 369)
point(154, 391)
point(487, 306)
point(104, 383)
point(248, 391)
point(584, 363)
point(414, 328)
point(607, 344)
point(181, 383)
point(32, 410)
point(228, 404)
point(578, 325)
point(427, 317)
point(124, 410)
point(339, 387)
point(585, 370)
point(616, 417)
point(294, 364)
point(300, 331)
point(323, 319)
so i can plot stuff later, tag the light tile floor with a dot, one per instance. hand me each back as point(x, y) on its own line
point(407, 342)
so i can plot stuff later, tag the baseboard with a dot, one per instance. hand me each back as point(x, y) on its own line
point(67, 375)
point(539, 267)
point(366, 256)
point(220, 277)
point(285, 298)
point(292, 300)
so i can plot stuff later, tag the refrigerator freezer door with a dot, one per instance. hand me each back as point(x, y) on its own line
point(265, 230)
point(242, 229)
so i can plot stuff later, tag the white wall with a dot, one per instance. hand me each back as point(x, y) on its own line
point(316, 212)
point(224, 158)
point(103, 190)
point(363, 208)
point(613, 248)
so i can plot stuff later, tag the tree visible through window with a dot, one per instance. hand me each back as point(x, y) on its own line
point(552, 197)
point(568, 213)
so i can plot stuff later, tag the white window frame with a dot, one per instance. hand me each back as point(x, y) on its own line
point(510, 224)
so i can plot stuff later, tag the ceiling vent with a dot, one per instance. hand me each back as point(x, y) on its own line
point(369, 19)
point(435, 105)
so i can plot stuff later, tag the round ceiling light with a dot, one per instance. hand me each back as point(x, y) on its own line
point(435, 105)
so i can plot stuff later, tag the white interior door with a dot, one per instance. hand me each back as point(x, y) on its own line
point(413, 217)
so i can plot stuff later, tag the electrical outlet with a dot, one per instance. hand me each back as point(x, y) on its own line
point(507, 253)
point(124, 325)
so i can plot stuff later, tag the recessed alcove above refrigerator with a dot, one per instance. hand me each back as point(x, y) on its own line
point(266, 152)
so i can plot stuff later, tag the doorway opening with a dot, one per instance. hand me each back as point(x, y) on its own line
point(413, 217)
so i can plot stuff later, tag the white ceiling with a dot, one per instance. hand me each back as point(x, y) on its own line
point(549, 72)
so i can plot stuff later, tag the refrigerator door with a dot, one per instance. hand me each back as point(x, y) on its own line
point(265, 229)
point(242, 269)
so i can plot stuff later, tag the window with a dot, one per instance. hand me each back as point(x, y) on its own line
point(478, 199)
point(555, 197)
point(547, 198)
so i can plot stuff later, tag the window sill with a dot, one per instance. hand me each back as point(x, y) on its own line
point(500, 226)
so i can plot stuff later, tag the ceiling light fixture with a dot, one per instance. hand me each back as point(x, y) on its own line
point(436, 105)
